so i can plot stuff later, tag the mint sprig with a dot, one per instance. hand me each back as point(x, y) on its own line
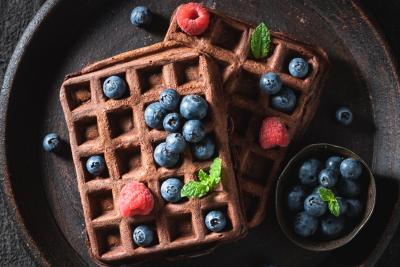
point(206, 182)
point(329, 197)
point(260, 41)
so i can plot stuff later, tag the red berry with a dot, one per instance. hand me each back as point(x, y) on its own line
point(273, 133)
point(193, 18)
point(135, 199)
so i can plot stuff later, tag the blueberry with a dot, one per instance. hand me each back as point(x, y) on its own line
point(344, 115)
point(141, 16)
point(171, 189)
point(95, 165)
point(215, 221)
point(204, 149)
point(172, 122)
point(114, 87)
point(154, 115)
point(328, 178)
point(164, 157)
point(354, 208)
point(175, 143)
point(308, 173)
point(143, 236)
point(193, 107)
point(350, 168)
point(270, 83)
point(285, 100)
point(349, 188)
point(169, 99)
point(296, 198)
point(333, 163)
point(51, 142)
point(332, 226)
point(315, 206)
point(298, 67)
point(193, 131)
point(305, 225)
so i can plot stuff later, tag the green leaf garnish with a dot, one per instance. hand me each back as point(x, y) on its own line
point(206, 182)
point(260, 41)
point(329, 197)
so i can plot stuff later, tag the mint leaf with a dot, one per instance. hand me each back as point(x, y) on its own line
point(203, 176)
point(334, 207)
point(194, 189)
point(260, 41)
point(215, 173)
point(326, 194)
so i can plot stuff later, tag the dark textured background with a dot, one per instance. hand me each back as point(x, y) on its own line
point(16, 14)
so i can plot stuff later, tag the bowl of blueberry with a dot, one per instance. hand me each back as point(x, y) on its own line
point(324, 197)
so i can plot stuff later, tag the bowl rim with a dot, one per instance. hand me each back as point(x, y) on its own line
point(335, 243)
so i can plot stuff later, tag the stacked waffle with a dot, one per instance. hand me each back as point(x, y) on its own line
point(218, 66)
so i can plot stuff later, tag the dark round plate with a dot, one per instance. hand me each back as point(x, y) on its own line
point(65, 35)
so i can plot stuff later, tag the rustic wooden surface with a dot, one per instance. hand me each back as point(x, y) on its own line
point(14, 16)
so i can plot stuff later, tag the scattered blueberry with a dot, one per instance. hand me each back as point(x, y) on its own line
point(296, 198)
point(215, 221)
point(169, 99)
point(328, 178)
point(171, 189)
point(193, 107)
point(164, 157)
point(143, 236)
point(193, 131)
point(305, 225)
point(350, 168)
point(332, 226)
point(175, 143)
point(308, 173)
point(298, 67)
point(141, 16)
point(344, 115)
point(270, 83)
point(349, 188)
point(314, 205)
point(114, 87)
point(285, 100)
point(342, 204)
point(51, 142)
point(154, 115)
point(333, 163)
point(95, 165)
point(354, 208)
point(172, 122)
point(204, 149)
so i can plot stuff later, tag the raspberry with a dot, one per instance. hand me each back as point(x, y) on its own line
point(273, 133)
point(193, 18)
point(135, 199)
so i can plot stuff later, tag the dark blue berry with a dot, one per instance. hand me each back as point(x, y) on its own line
point(349, 188)
point(193, 107)
point(175, 143)
point(173, 122)
point(296, 198)
point(169, 99)
point(333, 163)
point(298, 67)
point(95, 165)
point(308, 173)
point(114, 87)
point(328, 178)
point(204, 149)
point(164, 157)
point(51, 142)
point(171, 189)
point(141, 16)
point(154, 115)
point(344, 115)
point(215, 221)
point(332, 226)
point(143, 236)
point(193, 131)
point(270, 83)
point(354, 208)
point(305, 225)
point(350, 168)
point(314, 205)
point(285, 100)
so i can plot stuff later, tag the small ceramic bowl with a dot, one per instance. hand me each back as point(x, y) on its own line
point(289, 178)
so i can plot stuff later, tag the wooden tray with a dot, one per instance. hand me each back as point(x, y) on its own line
point(65, 35)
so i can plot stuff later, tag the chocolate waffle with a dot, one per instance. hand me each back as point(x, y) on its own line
point(227, 41)
point(116, 130)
